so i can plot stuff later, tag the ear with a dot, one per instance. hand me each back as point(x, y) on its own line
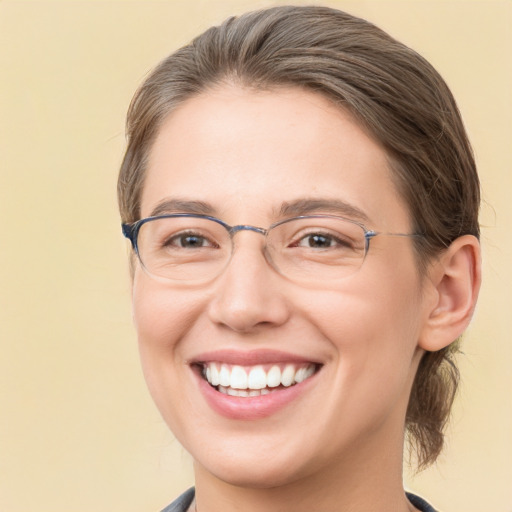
point(454, 280)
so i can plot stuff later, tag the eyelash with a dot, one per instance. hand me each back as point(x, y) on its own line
point(171, 241)
point(334, 240)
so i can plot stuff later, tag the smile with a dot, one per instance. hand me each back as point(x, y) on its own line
point(254, 381)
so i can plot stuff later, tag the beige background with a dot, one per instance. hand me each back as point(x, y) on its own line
point(78, 431)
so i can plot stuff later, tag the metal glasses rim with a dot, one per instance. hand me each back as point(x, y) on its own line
point(130, 230)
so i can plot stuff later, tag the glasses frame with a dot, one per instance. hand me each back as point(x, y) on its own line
point(131, 230)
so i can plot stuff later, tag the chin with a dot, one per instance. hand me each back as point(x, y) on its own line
point(260, 463)
point(256, 475)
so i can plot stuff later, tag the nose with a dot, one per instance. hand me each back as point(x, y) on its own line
point(250, 295)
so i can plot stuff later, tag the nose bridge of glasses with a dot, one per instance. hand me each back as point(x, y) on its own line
point(245, 227)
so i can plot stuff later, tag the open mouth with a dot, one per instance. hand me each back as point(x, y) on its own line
point(258, 380)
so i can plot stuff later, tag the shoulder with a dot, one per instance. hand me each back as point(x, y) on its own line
point(420, 503)
point(181, 503)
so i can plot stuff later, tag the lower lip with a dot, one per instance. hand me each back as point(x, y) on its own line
point(252, 407)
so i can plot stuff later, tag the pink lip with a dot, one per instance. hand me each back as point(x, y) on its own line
point(256, 407)
point(250, 357)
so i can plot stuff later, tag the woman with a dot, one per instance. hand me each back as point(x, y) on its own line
point(302, 202)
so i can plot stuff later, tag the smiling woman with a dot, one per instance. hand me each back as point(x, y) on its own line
point(302, 203)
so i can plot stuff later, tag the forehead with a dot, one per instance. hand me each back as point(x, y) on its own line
point(247, 152)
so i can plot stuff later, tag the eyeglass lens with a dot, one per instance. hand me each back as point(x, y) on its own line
point(302, 249)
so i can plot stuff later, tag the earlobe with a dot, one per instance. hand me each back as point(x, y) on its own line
point(455, 280)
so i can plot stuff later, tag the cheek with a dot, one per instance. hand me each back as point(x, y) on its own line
point(374, 330)
point(162, 318)
point(386, 307)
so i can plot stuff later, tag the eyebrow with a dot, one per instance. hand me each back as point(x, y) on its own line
point(296, 208)
point(308, 206)
point(182, 206)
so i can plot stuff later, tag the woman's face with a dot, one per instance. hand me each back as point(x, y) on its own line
point(244, 155)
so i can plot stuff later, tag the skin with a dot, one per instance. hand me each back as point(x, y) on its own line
point(338, 445)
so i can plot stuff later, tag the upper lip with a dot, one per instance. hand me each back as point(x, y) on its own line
point(250, 357)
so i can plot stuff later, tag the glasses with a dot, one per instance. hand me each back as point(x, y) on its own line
point(193, 248)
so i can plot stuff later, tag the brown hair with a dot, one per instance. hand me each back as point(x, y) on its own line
point(395, 95)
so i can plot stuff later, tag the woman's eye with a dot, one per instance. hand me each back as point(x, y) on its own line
point(317, 241)
point(321, 241)
point(188, 241)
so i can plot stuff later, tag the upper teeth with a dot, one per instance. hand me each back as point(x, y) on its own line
point(256, 377)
